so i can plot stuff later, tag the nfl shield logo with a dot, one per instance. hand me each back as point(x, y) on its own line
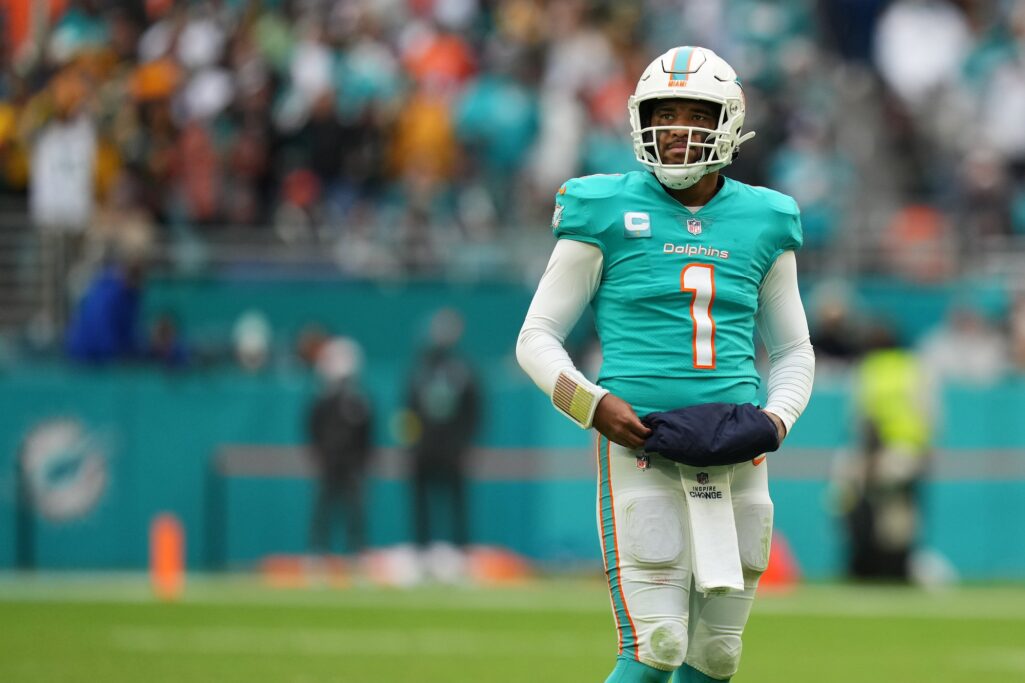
point(702, 477)
point(694, 226)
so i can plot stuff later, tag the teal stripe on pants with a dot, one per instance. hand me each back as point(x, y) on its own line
point(627, 634)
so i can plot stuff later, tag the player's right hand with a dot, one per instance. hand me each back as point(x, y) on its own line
point(617, 421)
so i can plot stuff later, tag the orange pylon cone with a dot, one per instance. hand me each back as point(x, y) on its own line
point(167, 556)
point(783, 572)
point(494, 565)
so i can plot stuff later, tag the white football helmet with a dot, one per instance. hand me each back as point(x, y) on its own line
point(690, 73)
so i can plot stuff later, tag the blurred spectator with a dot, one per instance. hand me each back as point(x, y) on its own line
point(424, 142)
point(198, 167)
point(850, 25)
point(437, 57)
point(918, 45)
point(580, 61)
point(607, 147)
point(340, 431)
point(63, 163)
point(340, 153)
point(1017, 327)
point(166, 346)
point(122, 224)
point(808, 169)
point(252, 341)
point(557, 151)
point(247, 176)
point(298, 214)
point(443, 400)
point(986, 211)
point(13, 153)
point(965, 348)
point(104, 326)
point(918, 244)
point(1002, 100)
point(394, 131)
point(582, 56)
point(496, 120)
point(836, 333)
point(152, 153)
point(311, 65)
point(326, 139)
point(879, 488)
point(310, 342)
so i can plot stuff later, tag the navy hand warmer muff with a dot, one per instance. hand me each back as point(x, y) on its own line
point(711, 434)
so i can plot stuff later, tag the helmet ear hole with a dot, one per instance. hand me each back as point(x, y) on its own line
point(644, 111)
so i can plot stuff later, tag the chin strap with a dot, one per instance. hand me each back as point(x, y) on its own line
point(679, 183)
point(744, 138)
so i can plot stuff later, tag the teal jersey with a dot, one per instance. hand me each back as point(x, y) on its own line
point(675, 306)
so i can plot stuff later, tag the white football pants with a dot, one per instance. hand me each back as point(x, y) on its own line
point(644, 530)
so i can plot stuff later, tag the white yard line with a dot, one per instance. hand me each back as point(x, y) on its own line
point(998, 603)
point(961, 610)
point(967, 603)
point(993, 661)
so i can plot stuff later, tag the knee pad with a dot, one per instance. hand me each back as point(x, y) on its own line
point(718, 655)
point(667, 644)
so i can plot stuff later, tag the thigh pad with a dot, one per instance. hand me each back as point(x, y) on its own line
point(654, 533)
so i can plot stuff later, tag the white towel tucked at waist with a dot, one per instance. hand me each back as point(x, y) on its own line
point(715, 553)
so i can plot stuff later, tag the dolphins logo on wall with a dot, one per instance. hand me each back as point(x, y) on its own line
point(65, 469)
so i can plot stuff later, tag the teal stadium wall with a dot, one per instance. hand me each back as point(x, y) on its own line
point(160, 430)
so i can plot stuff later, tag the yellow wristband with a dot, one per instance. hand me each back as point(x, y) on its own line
point(573, 400)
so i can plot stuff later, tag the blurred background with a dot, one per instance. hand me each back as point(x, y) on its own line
point(263, 265)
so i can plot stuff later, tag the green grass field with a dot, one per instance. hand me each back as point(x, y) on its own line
point(103, 629)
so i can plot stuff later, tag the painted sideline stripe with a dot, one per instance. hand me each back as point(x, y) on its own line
point(855, 611)
point(552, 464)
point(1001, 603)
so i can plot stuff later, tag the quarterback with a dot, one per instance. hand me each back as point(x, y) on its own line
point(680, 265)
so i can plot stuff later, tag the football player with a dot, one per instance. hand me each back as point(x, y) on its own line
point(679, 264)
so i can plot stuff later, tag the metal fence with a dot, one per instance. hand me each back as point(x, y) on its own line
point(43, 274)
point(28, 273)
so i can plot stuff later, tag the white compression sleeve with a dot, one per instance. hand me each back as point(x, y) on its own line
point(784, 330)
point(569, 282)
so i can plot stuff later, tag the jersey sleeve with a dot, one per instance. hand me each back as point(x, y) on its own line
point(782, 231)
point(573, 218)
point(793, 235)
point(793, 239)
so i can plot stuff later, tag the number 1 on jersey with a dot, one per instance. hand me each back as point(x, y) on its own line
point(699, 280)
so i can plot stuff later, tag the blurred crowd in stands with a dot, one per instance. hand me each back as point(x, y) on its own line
point(402, 136)
point(395, 129)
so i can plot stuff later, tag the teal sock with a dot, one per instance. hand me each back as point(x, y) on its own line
point(688, 674)
point(631, 671)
